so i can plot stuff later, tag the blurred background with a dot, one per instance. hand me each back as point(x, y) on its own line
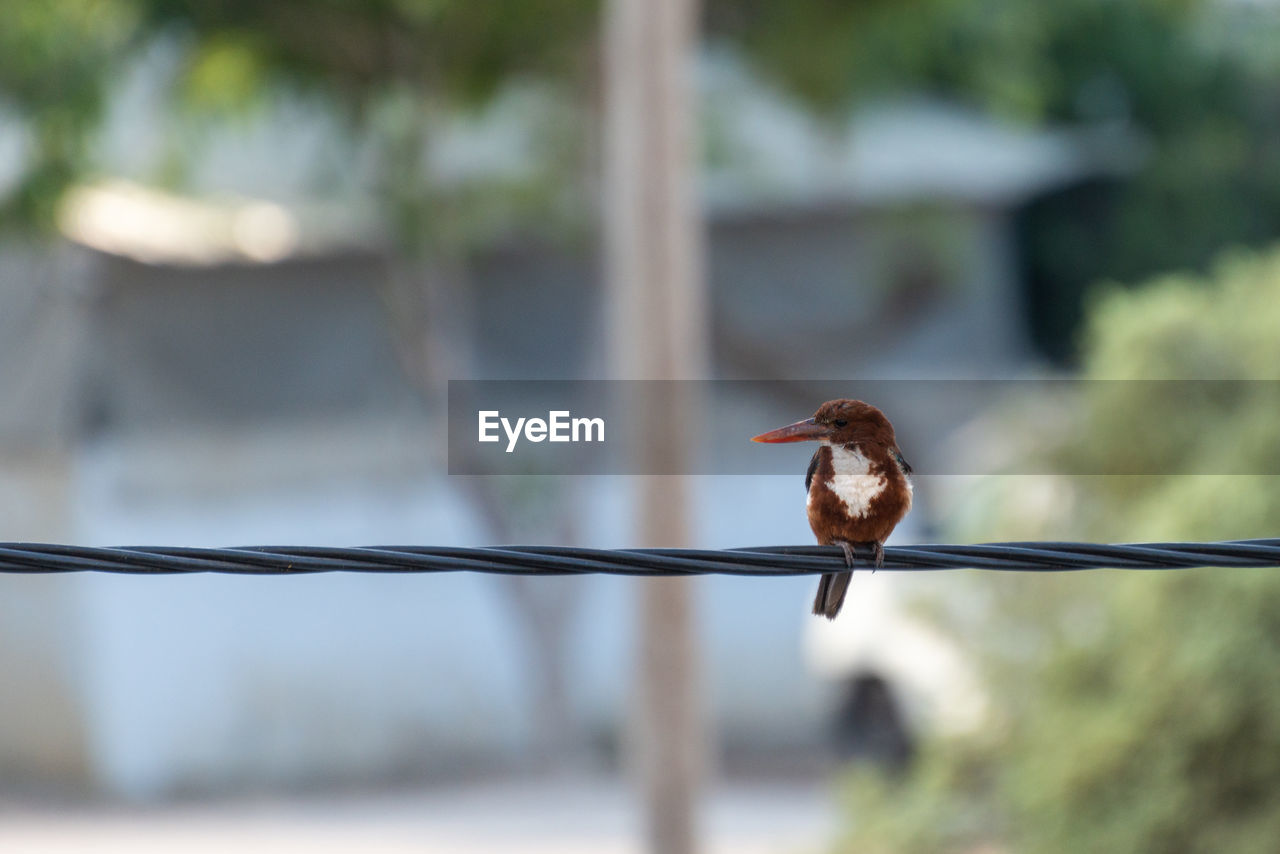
point(243, 247)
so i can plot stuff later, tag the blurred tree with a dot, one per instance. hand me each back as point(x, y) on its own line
point(396, 68)
point(395, 65)
point(1135, 711)
point(54, 56)
point(1197, 78)
point(1184, 74)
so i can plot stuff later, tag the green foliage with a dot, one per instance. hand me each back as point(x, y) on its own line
point(358, 49)
point(367, 58)
point(829, 54)
point(224, 74)
point(1196, 79)
point(54, 55)
point(1067, 60)
point(1163, 733)
point(1133, 711)
point(397, 68)
point(943, 807)
point(1184, 75)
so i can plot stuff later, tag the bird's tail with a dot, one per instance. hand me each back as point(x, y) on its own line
point(831, 589)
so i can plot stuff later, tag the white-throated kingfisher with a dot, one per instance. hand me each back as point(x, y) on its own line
point(857, 485)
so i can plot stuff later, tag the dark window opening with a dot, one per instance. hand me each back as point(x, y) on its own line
point(869, 724)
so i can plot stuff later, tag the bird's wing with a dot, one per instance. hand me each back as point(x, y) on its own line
point(813, 467)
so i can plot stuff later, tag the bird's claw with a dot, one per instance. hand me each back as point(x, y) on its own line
point(877, 548)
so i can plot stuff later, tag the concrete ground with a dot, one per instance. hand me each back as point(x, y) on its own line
point(580, 816)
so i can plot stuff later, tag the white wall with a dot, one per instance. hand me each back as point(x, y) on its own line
point(203, 682)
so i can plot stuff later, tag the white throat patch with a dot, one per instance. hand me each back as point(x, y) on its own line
point(853, 482)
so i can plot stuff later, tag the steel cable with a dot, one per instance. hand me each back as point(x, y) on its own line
point(567, 560)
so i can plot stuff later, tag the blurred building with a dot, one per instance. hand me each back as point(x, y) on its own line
point(219, 372)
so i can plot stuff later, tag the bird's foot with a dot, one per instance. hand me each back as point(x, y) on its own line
point(847, 548)
point(879, 547)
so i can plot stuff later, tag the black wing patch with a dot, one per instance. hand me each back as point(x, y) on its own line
point(813, 467)
point(897, 455)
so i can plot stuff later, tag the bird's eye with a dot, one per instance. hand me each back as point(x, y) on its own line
point(840, 422)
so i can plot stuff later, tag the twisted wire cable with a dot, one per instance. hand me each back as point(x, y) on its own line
point(567, 560)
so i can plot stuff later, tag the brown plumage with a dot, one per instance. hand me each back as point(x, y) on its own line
point(857, 485)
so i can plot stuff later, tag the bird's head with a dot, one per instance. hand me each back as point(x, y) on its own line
point(837, 422)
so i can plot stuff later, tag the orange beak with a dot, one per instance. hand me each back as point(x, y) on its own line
point(801, 431)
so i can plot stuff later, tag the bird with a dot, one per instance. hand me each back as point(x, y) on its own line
point(858, 485)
